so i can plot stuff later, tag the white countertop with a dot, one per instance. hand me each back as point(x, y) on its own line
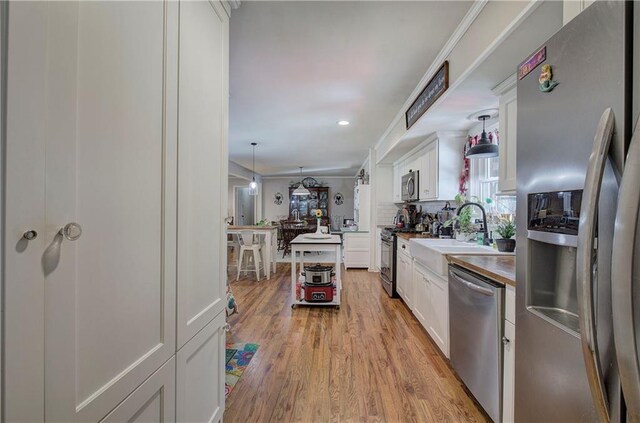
point(302, 239)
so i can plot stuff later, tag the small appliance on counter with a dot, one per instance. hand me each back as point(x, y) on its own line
point(447, 213)
point(349, 225)
point(318, 283)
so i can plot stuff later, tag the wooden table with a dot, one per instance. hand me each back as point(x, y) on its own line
point(303, 243)
point(271, 241)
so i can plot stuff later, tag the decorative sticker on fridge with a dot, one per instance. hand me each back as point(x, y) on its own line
point(546, 82)
point(532, 62)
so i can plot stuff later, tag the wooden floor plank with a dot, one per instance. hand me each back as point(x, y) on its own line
point(369, 361)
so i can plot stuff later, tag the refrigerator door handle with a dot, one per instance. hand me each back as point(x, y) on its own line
point(585, 263)
point(622, 269)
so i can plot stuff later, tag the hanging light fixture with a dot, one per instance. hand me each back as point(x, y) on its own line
point(253, 185)
point(301, 190)
point(484, 148)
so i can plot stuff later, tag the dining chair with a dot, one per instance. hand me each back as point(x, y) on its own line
point(289, 232)
point(248, 244)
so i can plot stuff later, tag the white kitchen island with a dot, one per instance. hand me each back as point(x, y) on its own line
point(306, 243)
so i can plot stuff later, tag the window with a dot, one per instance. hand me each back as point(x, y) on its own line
point(483, 178)
point(483, 184)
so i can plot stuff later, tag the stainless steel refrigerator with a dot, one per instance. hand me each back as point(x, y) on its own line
point(578, 238)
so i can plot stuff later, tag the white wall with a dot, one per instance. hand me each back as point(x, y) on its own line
point(270, 186)
point(240, 182)
point(239, 171)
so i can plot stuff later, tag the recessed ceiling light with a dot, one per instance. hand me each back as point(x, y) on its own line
point(343, 122)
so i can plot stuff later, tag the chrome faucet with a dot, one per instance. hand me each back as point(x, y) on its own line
point(485, 241)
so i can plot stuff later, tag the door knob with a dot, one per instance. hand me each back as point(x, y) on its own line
point(30, 235)
point(71, 231)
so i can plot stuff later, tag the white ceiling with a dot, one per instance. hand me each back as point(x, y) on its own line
point(475, 92)
point(297, 68)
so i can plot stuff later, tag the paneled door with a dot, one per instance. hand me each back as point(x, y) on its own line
point(202, 150)
point(92, 94)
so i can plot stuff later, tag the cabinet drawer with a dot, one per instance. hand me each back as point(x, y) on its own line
point(403, 247)
point(510, 304)
point(356, 242)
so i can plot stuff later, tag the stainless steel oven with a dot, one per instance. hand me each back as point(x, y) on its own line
point(387, 262)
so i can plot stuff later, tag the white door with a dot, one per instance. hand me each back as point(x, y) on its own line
point(200, 386)
point(110, 294)
point(245, 206)
point(154, 401)
point(202, 165)
point(92, 88)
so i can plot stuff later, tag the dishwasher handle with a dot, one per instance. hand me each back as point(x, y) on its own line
point(472, 286)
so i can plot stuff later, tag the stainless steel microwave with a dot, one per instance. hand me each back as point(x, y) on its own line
point(410, 188)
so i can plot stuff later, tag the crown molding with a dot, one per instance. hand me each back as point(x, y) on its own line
point(446, 50)
point(505, 85)
point(266, 178)
point(531, 6)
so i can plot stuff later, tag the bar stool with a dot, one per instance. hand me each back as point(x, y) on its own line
point(248, 245)
point(233, 243)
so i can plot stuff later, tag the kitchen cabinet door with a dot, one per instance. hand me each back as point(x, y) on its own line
point(356, 250)
point(438, 317)
point(397, 182)
point(429, 173)
point(404, 278)
point(104, 284)
point(421, 295)
point(202, 164)
point(200, 375)
point(508, 113)
point(508, 398)
point(153, 401)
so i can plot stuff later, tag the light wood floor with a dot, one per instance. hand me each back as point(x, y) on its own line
point(369, 361)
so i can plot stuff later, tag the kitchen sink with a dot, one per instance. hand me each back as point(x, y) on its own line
point(431, 252)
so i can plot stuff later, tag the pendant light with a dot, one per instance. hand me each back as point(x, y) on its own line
point(484, 148)
point(301, 190)
point(253, 185)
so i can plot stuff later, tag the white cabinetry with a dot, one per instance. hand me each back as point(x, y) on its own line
point(509, 341)
point(429, 173)
point(421, 290)
point(362, 206)
point(439, 161)
point(572, 8)
point(356, 249)
point(130, 142)
point(153, 401)
point(404, 273)
point(431, 305)
point(508, 134)
point(199, 381)
point(397, 182)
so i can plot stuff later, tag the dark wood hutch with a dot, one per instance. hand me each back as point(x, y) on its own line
point(308, 204)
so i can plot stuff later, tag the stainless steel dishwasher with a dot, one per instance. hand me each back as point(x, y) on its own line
point(476, 321)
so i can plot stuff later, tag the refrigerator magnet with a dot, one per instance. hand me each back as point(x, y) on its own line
point(547, 84)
